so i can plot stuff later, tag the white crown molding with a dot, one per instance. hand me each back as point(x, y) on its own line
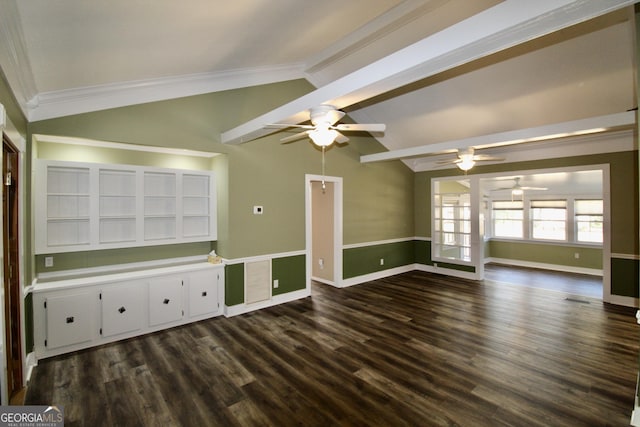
point(85, 142)
point(14, 60)
point(48, 105)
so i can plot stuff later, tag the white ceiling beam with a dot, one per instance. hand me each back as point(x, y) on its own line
point(505, 25)
point(558, 130)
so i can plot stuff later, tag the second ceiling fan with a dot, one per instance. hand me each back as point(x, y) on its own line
point(467, 159)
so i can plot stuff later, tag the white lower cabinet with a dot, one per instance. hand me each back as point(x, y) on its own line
point(122, 308)
point(73, 314)
point(203, 294)
point(69, 319)
point(165, 300)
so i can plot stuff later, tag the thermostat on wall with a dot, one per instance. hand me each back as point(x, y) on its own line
point(257, 210)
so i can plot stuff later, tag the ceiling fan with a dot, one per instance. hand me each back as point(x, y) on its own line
point(517, 190)
point(467, 159)
point(323, 131)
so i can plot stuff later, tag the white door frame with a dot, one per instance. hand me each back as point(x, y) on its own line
point(337, 227)
point(19, 142)
point(478, 255)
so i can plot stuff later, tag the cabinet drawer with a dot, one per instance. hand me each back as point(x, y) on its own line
point(122, 309)
point(203, 293)
point(69, 319)
point(165, 300)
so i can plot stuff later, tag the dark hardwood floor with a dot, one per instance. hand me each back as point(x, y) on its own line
point(571, 283)
point(416, 349)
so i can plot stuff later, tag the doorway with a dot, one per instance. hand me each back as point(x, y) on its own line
point(324, 229)
point(546, 219)
point(12, 311)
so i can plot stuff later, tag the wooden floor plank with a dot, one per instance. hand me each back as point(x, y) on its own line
point(413, 349)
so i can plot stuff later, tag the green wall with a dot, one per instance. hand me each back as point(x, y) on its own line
point(624, 209)
point(378, 199)
point(365, 260)
point(589, 257)
point(14, 113)
point(288, 271)
point(624, 192)
point(624, 273)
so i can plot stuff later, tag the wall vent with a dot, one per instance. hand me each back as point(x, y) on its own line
point(257, 281)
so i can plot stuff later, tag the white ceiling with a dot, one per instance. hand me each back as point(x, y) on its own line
point(585, 183)
point(71, 56)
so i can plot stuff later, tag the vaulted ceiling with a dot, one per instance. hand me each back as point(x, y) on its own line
point(441, 74)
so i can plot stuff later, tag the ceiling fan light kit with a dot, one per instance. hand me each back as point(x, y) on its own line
point(466, 161)
point(323, 130)
point(323, 137)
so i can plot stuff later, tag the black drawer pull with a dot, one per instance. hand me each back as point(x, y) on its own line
point(70, 319)
point(204, 294)
point(122, 310)
point(166, 301)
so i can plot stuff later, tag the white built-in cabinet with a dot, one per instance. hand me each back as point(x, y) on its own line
point(77, 313)
point(85, 206)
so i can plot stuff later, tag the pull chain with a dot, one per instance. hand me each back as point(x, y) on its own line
point(324, 187)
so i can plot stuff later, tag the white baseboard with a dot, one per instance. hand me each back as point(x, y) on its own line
point(30, 362)
point(635, 414)
point(447, 271)
point(621, 300)
point(234, 310)
point(324, 281)
point(375, 276)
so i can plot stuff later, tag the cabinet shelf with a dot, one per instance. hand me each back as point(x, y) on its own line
point(109, 206)
point(69, 219)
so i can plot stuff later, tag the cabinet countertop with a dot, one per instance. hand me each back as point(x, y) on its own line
point(135, 274)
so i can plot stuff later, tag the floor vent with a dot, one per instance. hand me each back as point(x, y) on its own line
point(577, 300)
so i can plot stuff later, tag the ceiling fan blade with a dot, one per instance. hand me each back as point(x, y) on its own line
point(371, 127)
point(287, 125)
point(341, 139)
point(295, 137)
point(487, 158)
point(334, 115)
point(534, 188)
point(448, 162)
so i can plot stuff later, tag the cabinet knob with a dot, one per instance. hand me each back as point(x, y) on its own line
point(70, 319)
point(122, 310)
point(204, 294)
point(166, 301)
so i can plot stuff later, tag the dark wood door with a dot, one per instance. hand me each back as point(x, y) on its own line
point(11, 270)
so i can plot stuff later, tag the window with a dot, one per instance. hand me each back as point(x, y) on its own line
point(589, 214)
point(508, 219)
point(549, 219)
point(452, 225)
